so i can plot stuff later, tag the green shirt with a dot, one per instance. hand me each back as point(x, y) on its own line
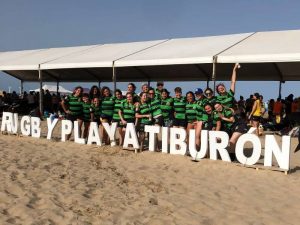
point(210, 120)
point(179, 108)
point(155, 107)
point(74, 104)
point(96, 110)
point(144, 109)
point(224, 124)
point(226, 100)
point(117, 107)
point(86, 107)
point(200, 108)
point(128, 111)
point(191, 111)
point(167, 108)
point(107, 106)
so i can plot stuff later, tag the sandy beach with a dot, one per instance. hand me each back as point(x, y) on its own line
point(51, 182)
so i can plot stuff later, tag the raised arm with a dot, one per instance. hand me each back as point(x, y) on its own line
point(233, 77)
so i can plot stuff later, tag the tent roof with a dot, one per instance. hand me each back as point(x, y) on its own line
point(182, 51)
point(31, 59)
point(100, 56)
point(273, 46)
point(264, 56)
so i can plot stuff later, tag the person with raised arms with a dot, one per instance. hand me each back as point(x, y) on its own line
point(127, 112)
point(224, 97)
point(72, 106)
point(143, 114)
point(116, 117)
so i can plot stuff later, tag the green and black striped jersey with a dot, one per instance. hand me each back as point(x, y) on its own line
point(155, 107)
point(210, 120)
point(224, 124)
point(144, 109)
point(96, 110)
point(107, 106)
point(74, 104)
point(86, 107)
point(179, 108)
point(117, 107)
point(191, 109)
point(226, 100)
point(167, 108)
point(128, 112)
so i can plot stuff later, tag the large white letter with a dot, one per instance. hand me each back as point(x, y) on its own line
point(152, 131)
point(25, 125)
point(192, 144)
point(35, 127)
point(130, 137)
point(177, 138)
point(214, 146)
point(282, 156)
point(239, 149)
point(66, 128)
point(94, 134)
point(164, 140)
point(51, 126)
point(111, 131)
point(77, 138)
point(9, 122)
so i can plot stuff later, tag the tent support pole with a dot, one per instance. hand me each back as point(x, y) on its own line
point(57, 87)
point(149, 82)
point(214, 71)
point(22, 87)
point(41, 105)
point(279, 94)
point(114, 76)
point(99, 84)
point(207, 84)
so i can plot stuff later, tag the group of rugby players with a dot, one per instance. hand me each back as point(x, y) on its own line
point(196, 110)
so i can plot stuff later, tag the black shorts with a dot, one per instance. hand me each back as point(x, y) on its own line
point(106, 117)
point(140, 127)
point(240, 128)
point(179, 123)
point(158, 121)
point(74, 117)
point(168, 122)
point(256, 118)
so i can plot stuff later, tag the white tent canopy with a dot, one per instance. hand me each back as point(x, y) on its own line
point(264, 56)
point(53, 89)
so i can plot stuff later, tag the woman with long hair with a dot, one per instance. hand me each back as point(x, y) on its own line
point(255, 115)
point(116, 118)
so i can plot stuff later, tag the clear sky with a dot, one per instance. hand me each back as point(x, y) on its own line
point(33, 24)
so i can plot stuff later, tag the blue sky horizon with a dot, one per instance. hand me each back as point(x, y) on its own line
point(37, 24)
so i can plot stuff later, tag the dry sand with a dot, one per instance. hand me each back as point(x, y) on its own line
point(50, 182)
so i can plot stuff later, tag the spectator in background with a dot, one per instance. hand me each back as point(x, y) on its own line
point(255, 114)
point(278, 110)
point(270, 109)
point(241, 105)
point(249, 104)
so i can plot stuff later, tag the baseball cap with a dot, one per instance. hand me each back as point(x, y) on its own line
point(198, 91)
